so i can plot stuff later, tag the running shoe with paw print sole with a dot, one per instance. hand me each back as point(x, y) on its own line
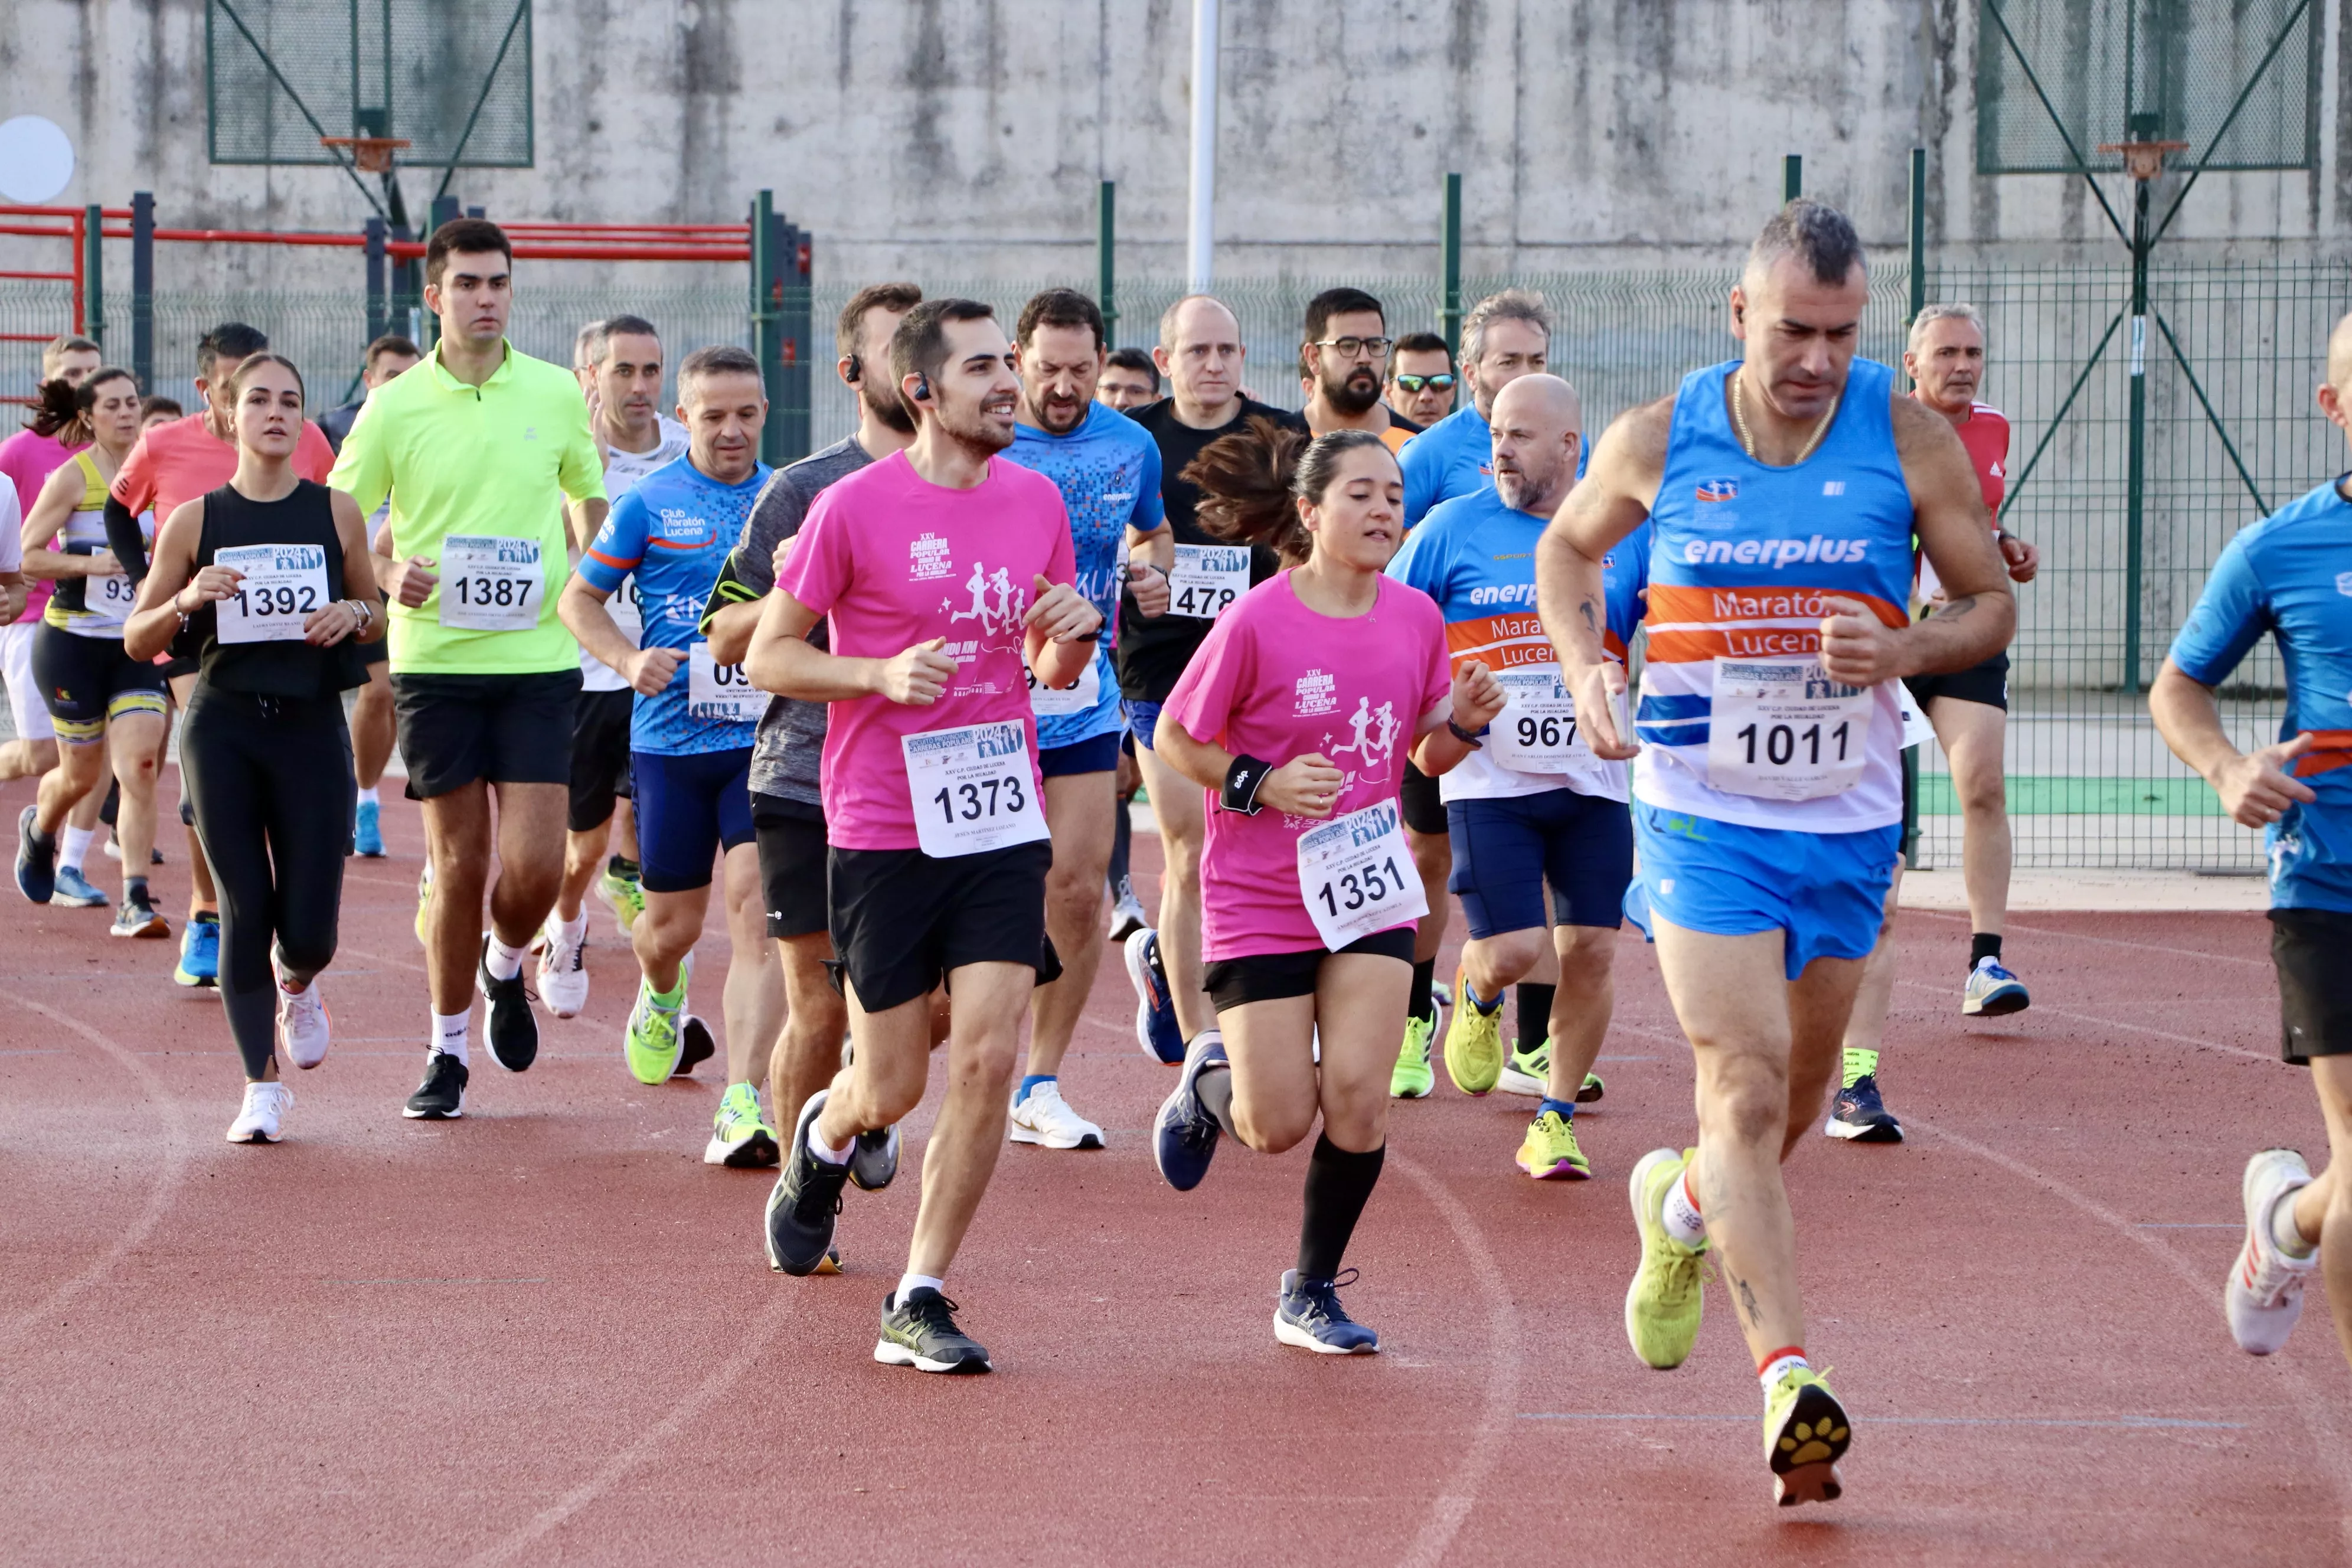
point(1307, 1314)
point(1805, 1434)
point(921, 1332)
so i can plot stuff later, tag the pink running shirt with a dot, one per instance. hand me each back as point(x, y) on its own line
point(891, 560)
point(1276, 680)
point(29, 460)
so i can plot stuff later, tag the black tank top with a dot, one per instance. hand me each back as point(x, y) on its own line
point(292, 668)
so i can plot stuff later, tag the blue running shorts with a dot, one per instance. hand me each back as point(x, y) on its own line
point(1506, 850)
point(1826, 890)
point(688, 809)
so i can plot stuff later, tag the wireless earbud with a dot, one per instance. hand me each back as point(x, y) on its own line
point(922, 387)
point(856, 368)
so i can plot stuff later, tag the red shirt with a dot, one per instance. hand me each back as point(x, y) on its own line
point(182, 461)
point(1985, 433)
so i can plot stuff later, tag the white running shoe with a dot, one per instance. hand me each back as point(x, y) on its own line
point(2264, 1296)
point(303, 1025)
point(258, 1122)
point(1127, 915)
point(1045, 1119)
point(563, 969)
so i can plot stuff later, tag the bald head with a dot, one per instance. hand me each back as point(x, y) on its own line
point(2339, 355)
point(1200, 353)
point(1537, 427)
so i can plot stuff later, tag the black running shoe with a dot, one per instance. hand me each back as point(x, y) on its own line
point(1860, 1115)
point(921, 1333)
point(442, 1096)
point(874, 1159)
point(695, 1046)
point(806, 1198)
point(1307, 1313)
point(513, 1032)
point(37, 859)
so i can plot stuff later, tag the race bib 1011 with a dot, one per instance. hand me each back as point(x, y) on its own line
point(1780, 729)
point(974, 789)
point(282, 584)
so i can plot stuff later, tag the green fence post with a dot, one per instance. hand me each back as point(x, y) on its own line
point(93, 247)
point(1792, 178)
point(766, 308)
point(1918, 302)
point(143, 286)
point(1106, 257)
point(1450, 248)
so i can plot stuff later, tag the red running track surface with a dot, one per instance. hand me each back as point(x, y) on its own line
point(546, 1333)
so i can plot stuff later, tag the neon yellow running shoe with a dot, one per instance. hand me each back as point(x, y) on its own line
point(1805, 1434)
point(1528, 1072)
point(623, 896)
point(1473, 1041)
point(1663, 1304)
point(1412, 1078)
point(651, 1042)
point(740, 1137)
point(1549, 1150)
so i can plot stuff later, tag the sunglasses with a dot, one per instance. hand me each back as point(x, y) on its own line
point(1442, 382)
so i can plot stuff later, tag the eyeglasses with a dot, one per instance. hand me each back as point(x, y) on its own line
point(1442, 382)
point(1350, 348)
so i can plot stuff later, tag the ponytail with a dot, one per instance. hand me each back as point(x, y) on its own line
point(1253, 480)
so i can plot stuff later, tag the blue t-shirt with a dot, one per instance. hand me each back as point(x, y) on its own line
point(1455, 457)
point(2291, 575)
point(674, 529)
point(1108, 472)
point(1477, 557)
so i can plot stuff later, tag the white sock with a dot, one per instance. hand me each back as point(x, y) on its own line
point(1779, 1364)
point(914, 1282)
point(1683, 1221)
point(572, 932)
point(72, 845)
point(449, 1034)
point(504, 963)
point(2284, 1234)
point(830, 1156)
point(370, 797)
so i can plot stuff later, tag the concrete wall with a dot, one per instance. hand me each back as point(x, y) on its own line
point(965, 140)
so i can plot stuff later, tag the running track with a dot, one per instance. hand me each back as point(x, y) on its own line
point(546, 1333)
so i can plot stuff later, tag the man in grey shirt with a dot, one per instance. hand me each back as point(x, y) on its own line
point(786, 808)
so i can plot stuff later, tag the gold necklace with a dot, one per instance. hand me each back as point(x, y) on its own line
point(1748, 443)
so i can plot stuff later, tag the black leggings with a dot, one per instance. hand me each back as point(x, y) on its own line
point(271, 778)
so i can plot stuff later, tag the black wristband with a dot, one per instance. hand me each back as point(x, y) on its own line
point(1464, 736)
point(1243, 781)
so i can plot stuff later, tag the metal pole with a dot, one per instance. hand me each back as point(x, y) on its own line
point(1918, 302)
point(2136, 484)
point(93, 238)
point(379, 307)
point(764, 319)
point(1792, 178)
point(1201, 227)
point(1450, 256)
point(796, 320)
point(143, 286)
point(1106, 256)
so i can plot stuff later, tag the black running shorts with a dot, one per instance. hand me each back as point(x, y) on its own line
point(1424, 807)
point(600, 756)
point(505, 729)
point(902, 921)
point(790, 834)
point(2310, 948)
point(1987, 683)
point(1270, 976)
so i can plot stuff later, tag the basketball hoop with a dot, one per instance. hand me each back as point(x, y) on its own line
point(370, 155)
point(2143, 160)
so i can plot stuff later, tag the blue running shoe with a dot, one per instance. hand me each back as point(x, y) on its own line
point(367, 831)
point(73, 890)
point(1184, 1135)
point(1858, 1114)
point(37, 863)
point(1156, 1028)
point(1992, 992)
point(1307, 1314)
point(199, 953)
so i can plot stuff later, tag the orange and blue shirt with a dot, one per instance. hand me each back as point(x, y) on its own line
point(2291, 575)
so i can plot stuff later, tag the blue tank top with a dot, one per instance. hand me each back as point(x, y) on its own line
point(1742, 558)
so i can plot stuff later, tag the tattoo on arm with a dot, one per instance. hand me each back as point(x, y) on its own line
point(1954, 609)
point(1592, 619)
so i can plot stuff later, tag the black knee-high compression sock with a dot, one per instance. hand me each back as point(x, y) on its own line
point(1215, 1088)
point(1983, 945)
point(1338, 1183)
point(1420, 1004)
point(1535, 1013)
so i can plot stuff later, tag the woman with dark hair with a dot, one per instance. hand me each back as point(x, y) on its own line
point(270, 578)
point(101, 699)
point(1297, 716)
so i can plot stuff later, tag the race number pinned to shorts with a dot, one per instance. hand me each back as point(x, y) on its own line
point(1782, 730)
point(1356, 875)
point(722, 692)
point(1054, 702)
point(1535, 731)
point(1207, 579)
point(283, 584)
point(974, 789)
point(491, 585)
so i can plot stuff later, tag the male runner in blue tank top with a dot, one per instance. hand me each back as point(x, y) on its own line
point(1784, 492)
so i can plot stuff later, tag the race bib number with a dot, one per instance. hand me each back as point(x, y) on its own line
point(628, 611)
point(1916, 731)
point(283, 584)
point(1536, 731)
point(1049, 702)
point(974, 789)
point(111, 596)
point(491, 585)
point(1207, 579)
point(720, 691)
point(1782, 730)
point(1356, 875)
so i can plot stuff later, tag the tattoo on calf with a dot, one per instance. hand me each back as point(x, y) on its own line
point(1746, 1295)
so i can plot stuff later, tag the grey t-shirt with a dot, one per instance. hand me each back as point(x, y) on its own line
point(791, 734)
